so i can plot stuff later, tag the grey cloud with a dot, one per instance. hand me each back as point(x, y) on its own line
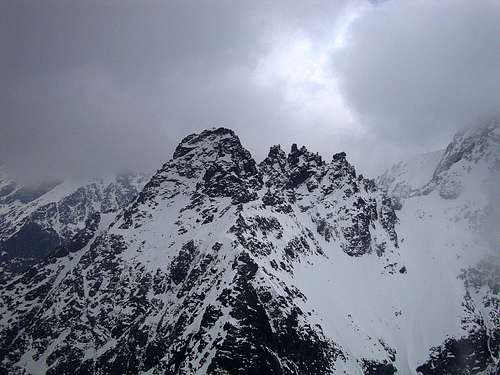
point(415, 72)
point(93, 87)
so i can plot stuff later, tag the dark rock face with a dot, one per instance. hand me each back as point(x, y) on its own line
point(304, 179)
point(290, 171)
point(32, 241)
point(378, 368)
point(180, 265)
point(467, 355)
point(81, 238)
point(238, 178)
point(475, 352)
point(216, 161)
point(256, 345)
point(303, 167)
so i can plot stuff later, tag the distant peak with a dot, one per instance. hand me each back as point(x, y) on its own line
point(484, 129)
point(473, 144)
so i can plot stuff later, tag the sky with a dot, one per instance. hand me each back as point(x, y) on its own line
point(96, 87)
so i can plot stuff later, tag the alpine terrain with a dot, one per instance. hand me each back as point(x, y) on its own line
point(222, 265)
point(37, 220)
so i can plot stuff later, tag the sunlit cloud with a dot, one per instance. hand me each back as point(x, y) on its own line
point(299, 65)
point(344, 23)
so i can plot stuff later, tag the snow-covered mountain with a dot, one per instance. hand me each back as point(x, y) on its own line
point(449, 226)
point(405, 177)
point(295, 265)
point(35, 220)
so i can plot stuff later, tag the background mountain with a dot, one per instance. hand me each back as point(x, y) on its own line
point(448, 224)
point(35, 220)
point(295, 265)
point(405, 177)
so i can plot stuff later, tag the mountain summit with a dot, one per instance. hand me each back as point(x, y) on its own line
point(221, 265)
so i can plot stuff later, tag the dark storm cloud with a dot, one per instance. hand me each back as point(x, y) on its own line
point(92, 87)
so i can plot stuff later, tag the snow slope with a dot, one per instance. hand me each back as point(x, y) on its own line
point(448, 226)
point(407, 176)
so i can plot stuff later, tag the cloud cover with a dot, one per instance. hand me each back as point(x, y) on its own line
point(95, 87)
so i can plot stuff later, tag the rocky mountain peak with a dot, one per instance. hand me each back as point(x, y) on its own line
point(276, 154)
point(472, 156)
point(340, 159)
point(303, 156)
point(216, 139)
point(202, 273)
point(220, 266)
point(471, 151)
point(473, 145)
point(341, 167)
point(290, 171)
point(226, 168)
point(207, 165)
point(217, 149)
point(211, 152)
point(303, 165)
point(274, 167)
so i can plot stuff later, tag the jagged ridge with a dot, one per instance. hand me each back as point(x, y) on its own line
point(222, 265)
point(189, 277)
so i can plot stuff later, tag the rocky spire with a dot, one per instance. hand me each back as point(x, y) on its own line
point(292, 170)
point(206, 165)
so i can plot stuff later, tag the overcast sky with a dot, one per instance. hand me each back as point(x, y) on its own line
point(96, 87)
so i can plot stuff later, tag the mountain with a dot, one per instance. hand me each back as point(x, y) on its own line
point(449, 225)
point(36, 219)
point(295, 265)
point(405, 177)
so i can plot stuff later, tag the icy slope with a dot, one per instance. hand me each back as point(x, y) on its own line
point(407, 176)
